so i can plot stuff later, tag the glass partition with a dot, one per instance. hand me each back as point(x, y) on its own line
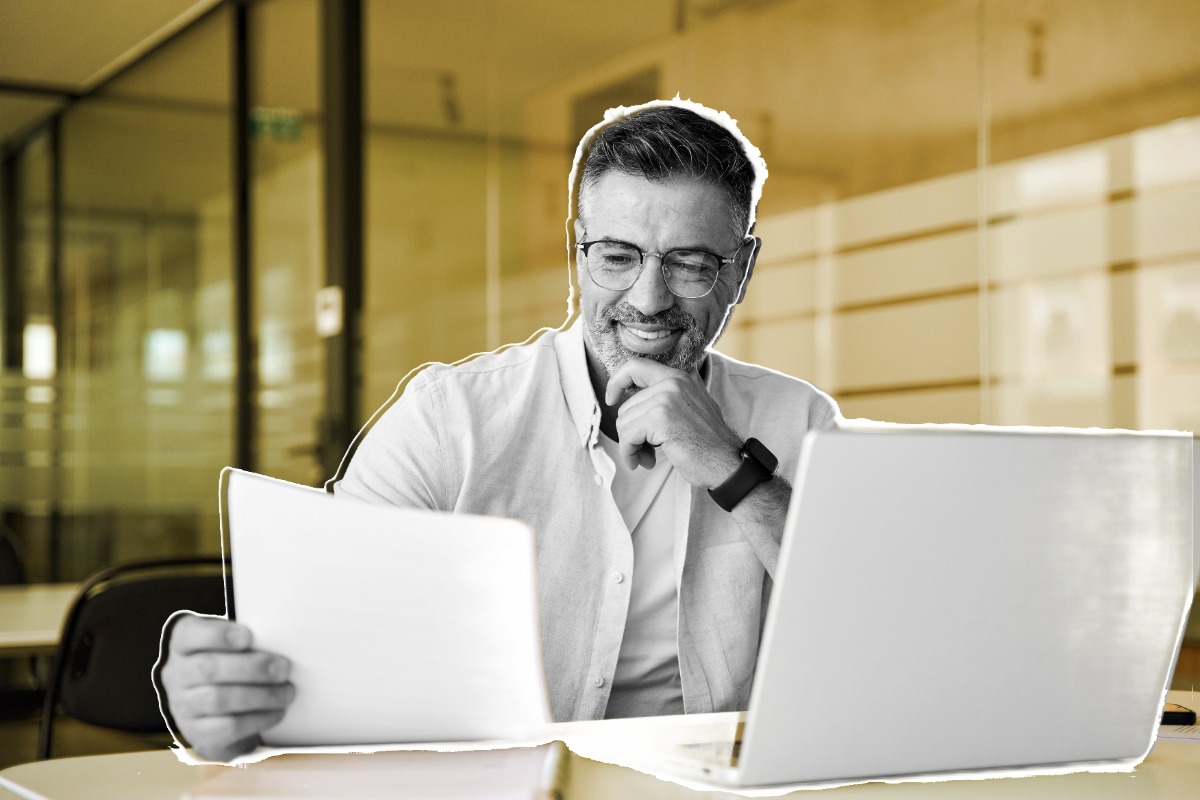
point(1093, 188)
point(30, 418)
point(146, 330)
point(287, 230)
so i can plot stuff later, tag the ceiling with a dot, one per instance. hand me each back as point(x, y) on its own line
point(54, 46)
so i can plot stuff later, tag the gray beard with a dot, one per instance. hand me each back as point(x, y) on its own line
point(606, 342)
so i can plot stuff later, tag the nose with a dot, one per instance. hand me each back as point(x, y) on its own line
point(649, 294)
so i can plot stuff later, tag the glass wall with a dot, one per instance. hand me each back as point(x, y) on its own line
point(287, 221)
point(146, 340)
point(30, 424)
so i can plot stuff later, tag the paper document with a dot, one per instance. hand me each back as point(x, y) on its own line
point(401, 626)
point(1188, 732)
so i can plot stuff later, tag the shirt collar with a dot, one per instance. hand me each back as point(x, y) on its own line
point(576, 383)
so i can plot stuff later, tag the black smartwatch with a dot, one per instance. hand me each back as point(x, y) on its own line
point(758, 465)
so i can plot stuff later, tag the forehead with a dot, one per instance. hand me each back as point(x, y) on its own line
point(671, 213)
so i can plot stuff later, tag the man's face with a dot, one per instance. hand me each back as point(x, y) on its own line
point(647, 320)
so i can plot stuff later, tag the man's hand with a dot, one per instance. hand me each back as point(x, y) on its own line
point(673, 412)
point(222, 693)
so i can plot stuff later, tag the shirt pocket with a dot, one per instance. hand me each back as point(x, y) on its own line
point(732, 591)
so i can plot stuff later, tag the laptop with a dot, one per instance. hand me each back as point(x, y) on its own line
point(955, 598)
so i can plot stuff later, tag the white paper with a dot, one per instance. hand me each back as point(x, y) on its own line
point(401, 626)
point(1186, 732)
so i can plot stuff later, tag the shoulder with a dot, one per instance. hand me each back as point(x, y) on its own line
point(497, 379)
point(752, 389)
point(411, 450)
point(527, 363)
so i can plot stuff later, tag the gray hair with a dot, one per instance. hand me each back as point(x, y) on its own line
point(667, 141)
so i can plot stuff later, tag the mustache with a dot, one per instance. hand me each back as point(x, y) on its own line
point(673, 317)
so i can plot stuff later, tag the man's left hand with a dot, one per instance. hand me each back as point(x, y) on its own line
point(673, 412)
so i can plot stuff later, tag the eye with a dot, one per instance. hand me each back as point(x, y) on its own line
point(614, 255)
point(692, 263)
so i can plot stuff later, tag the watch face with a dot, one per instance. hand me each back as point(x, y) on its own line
point(759, 452)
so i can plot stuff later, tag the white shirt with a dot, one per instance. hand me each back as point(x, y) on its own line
point(646, 681)
point(513, 434)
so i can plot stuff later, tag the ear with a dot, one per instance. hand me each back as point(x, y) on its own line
point(748, 271)
point(579, 234)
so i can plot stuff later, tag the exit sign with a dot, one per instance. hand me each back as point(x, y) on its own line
point(280, 124)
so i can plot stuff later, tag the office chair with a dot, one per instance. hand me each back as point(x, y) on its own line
point(21, 692)
point(110, 642)
point(12, 565)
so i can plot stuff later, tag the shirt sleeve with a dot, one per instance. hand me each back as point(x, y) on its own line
point(399, 458)
point(829, 414)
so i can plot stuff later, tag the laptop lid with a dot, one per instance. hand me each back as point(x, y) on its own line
point(953, 598)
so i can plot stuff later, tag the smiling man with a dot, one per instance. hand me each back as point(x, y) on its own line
point(649, 465)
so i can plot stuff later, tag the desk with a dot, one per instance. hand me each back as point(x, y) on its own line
point(31, 617)
point(1170, 772)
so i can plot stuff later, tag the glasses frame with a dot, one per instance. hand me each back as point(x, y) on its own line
point(662, 263)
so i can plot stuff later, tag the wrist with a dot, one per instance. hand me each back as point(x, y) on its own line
point(725, 465)
point(756, 465)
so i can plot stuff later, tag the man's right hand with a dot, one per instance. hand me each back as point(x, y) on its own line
point(222, 693)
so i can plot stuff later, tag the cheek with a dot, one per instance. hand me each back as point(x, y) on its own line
point(593, 301)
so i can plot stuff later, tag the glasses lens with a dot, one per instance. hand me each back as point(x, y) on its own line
point(613, 265)
point(691, 273)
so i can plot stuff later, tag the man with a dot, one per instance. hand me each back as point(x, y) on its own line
point(644, 461)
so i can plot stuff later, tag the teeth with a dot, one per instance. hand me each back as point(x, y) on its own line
point(649, 335)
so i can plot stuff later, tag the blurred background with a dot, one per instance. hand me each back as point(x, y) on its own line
point(977, 211)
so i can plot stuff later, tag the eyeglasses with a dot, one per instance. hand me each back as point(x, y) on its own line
point(687, 272)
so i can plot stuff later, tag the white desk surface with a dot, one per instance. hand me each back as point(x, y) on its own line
point(1170, 772)
point(31, 617)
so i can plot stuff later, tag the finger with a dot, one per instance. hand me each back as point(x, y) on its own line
point(193, 634)
point(639, 372)
point(647, 394)
point(633, 447)
point(218, 700)
point(254, 667)
point(629, 452)
point(223, 738)
point(220, 751)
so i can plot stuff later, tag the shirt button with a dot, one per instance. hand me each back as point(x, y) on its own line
point(598, 682)
point(618, 577)
point(599, 480)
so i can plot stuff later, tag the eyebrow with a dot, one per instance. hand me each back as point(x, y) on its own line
point(705, 248)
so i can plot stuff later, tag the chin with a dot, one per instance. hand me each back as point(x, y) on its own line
point(612, 353)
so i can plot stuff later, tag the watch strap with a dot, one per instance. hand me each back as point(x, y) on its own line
point(758, 465)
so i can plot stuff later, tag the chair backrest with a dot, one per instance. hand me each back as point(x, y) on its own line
point(110, 641)
point(12, 566)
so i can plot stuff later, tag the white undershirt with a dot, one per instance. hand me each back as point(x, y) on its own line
point(647, 681)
